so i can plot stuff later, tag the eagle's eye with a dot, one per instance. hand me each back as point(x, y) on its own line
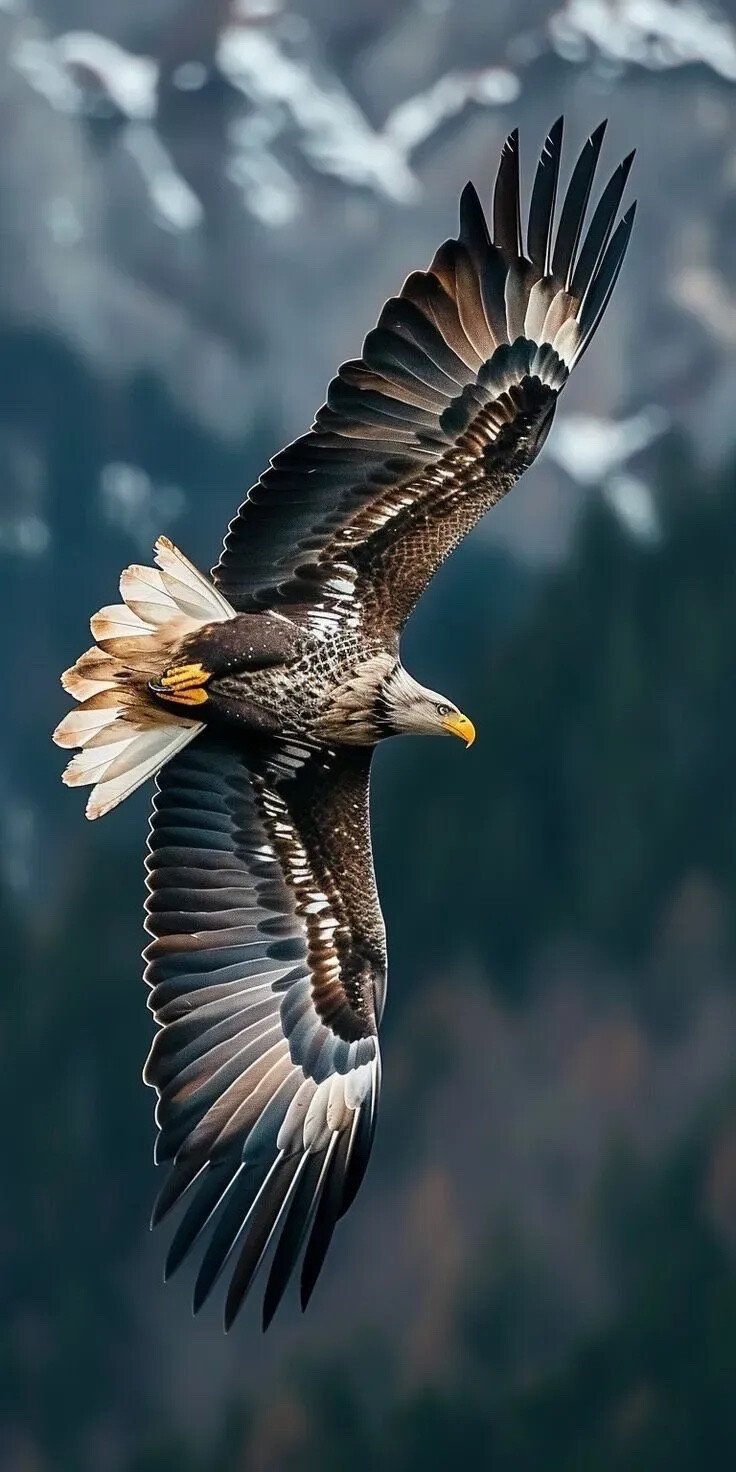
point(444, 710)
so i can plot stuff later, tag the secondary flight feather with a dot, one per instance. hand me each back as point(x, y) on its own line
point(256, 698)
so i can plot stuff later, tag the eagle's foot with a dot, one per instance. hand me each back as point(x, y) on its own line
point(183, 684)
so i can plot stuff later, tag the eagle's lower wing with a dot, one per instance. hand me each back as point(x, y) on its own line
point(267, 971)
point(448, 404)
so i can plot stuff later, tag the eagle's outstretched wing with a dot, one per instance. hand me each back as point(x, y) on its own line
point(449, 403)
point(268, 970)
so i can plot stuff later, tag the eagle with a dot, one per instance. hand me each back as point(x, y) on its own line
point(256, 698)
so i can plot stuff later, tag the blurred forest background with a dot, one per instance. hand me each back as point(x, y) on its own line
point(203, 205)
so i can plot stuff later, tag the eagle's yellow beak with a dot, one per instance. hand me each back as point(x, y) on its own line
point(459, 725)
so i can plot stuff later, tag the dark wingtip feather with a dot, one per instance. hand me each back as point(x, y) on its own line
point(469, 203)
point(267, 1212)
point(544, 198)
point(575, 205)
point(198, 1213)
point(625, 167)
point(234, 1219)
point(200, 1295)
point(178, 1181)
point(358, 1157)
point(507, 200)
point(600, 230)
point(325, 1221)
point(627, 220)
point(473, 227)
point(605, 279)
point(293, 1235)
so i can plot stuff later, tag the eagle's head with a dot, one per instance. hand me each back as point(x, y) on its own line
point(403, 706)
point(381, 699)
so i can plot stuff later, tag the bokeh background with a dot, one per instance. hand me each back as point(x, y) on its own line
point(203, 204)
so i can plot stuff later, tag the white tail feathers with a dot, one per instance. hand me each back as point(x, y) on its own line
point(125, 737)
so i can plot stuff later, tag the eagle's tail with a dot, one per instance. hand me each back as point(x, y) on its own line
point(123, 734)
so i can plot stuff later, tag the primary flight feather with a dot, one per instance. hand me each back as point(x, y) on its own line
point(256, 698)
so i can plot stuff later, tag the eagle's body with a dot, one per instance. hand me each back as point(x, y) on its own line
point(294, 682)
point(257, 698)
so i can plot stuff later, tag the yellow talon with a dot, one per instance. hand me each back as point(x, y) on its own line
point(194, 696)
point(181, 675)
point(183, 684)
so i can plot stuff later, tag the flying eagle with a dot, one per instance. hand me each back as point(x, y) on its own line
point(257, 698)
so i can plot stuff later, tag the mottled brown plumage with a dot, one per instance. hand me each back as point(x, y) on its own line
point(258, 699)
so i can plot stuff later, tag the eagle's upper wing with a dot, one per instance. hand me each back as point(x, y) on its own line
point(448, 404)
point(267, 970)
